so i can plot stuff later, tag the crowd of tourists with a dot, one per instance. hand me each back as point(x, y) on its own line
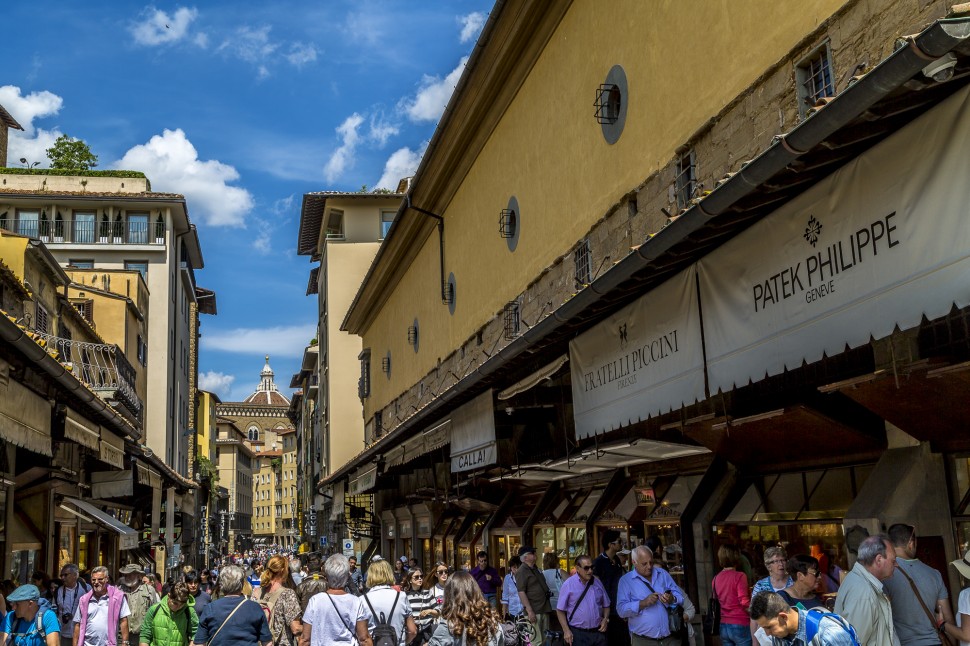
point(621, 597)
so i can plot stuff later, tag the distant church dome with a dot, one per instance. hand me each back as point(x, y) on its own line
point(267, 393)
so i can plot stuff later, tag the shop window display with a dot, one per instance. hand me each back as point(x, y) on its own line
point(959, 468)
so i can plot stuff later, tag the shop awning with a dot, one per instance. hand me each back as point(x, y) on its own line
point(337, 509)
point(598, 459)
point(646, 359)
point(364, 481)
point(112, 484)
point(435, 437)
point(473, 434)
point(150, 477)
point(112, 449)
point(81, 430)
point(879, 244)
point(127, 537)
point(25, 419)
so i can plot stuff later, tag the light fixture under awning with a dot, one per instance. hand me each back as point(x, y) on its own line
point(82, 430)
point(127, 537)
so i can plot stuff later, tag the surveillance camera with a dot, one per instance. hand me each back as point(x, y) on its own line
point(941, 70)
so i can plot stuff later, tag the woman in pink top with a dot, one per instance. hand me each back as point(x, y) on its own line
point(731, 590)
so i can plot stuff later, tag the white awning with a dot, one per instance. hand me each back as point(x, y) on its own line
point(473, 434)
point(25, 418)
point(880, 243)
point(646, 359)
point(81, 430)
point(364, 481)
point(127, 537)
point(337, 511)
point(430, 440)
point(112, 450)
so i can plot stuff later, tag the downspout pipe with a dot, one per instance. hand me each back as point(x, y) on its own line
point(441, 241)
point(935, 41)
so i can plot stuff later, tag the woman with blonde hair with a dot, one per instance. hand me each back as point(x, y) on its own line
point(278, 593)
point(388, 605)
point(467, 618)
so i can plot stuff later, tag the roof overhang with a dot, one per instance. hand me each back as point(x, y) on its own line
point(7, 119)
point(879, 103)
point(312, 212)
point(206, 299)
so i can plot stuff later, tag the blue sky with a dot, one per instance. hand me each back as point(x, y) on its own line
point(242, 107)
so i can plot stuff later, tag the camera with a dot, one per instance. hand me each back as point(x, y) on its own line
point(548, 594)
point(66, 617)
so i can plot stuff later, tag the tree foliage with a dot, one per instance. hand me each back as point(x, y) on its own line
point(68, 153)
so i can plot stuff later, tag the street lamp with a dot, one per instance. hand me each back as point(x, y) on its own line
point(23, 160)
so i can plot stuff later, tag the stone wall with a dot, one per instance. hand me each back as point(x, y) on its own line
point(860, 35)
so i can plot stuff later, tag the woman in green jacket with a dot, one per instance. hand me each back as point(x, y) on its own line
point(172, 621)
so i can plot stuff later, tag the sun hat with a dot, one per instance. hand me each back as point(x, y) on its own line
point(26, 592)
point(962, 565)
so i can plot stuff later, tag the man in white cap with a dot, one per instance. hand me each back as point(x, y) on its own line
point(27, 624)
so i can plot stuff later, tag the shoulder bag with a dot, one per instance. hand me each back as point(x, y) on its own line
point(589, 584)
point(675, 615)
point(353, 633)
point(225, 621)
point(929, 615)
point(712, 620)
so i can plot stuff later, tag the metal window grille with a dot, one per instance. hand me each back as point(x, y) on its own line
point(512, 320)
point(378, 423)
point(447, 293)
point(506, 223)
point(815, 75)
point(412, 335)
point(584, 269)
point(41, 319)
point(607, 104)
point(363, 384)
point(685, 183)
point(386, 365)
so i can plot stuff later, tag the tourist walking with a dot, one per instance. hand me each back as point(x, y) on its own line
point(387, 605)
point(533, 591)
point(232, 619)
point(487, 578)
point(960, 627)
point(424, 608)
point(467, 618)
point(730, 586)
point(336, 616)
point(279, 595)
point(511, 604)
point(101, 613)
point(644, 596)
point(861, 598)
point(66, 600)
point(198, 597)
point(583, 607)
point(140, 598)
point(27, 623)
point(608, 568)
point(172, 621)
point(788, 626)
point(805, 572)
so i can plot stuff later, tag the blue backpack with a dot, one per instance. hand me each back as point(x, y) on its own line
point(815, 615)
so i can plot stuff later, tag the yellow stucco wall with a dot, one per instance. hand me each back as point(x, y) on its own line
point(549, 152)
point(12, 248)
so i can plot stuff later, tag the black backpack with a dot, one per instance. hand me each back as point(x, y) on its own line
point(384, 633)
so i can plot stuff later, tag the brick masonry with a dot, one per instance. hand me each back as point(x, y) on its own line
point(860, 34)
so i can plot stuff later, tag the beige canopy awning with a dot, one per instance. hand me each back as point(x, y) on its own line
point(82, 430)
point(112, 450)
point(25, 418)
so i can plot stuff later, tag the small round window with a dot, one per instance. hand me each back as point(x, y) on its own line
point(510, 222)
point(612, 98)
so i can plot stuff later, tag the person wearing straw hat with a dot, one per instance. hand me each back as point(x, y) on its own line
point(960, 627)
point(28, 624)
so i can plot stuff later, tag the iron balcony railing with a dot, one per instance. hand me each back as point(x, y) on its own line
point(102, 367)
point(85, 231)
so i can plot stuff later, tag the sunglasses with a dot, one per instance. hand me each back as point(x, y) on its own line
point(586, 568)
point(440, 572)
point(417, 576)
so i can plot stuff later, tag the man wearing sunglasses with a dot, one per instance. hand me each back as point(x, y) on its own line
point(101, 614)
point(583, 607)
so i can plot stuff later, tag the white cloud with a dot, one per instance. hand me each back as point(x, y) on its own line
point(250, 44)
point(32, 142)
point(172, 164)
point(278, 341)
point(262, 243)
point(402, 163)
point(471, 25)
point(343, 157)
point(433, 95)
point(301, 54)
point(381, 131)
point(216, 382)
point(159, 28)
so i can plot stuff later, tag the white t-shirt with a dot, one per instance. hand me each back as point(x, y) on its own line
point(963, 608)
point(554, 580)
point(329, 628)
point(96, 632)
point(382, 598)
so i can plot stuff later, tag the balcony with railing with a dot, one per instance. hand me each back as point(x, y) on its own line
point(103, 368)
point(86, 229)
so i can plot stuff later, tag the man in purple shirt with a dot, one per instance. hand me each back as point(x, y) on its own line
point(487, 577)
point(584, 607)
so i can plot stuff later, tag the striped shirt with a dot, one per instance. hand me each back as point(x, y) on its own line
point(422, 600)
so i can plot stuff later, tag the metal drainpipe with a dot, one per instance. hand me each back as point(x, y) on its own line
point(441, 242)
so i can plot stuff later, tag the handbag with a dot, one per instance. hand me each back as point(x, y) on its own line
point(712, 620)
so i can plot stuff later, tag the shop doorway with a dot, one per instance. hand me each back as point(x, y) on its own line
point(566, 542)
point(503, 547)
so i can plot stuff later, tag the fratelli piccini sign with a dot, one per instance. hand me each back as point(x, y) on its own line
point(644, 360)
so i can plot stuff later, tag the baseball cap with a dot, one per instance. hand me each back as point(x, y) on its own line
point(26, 592)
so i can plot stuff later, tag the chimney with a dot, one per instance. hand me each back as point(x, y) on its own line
point(6, 123)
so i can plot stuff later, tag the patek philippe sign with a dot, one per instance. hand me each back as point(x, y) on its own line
point(644, 360)
point(880, 243)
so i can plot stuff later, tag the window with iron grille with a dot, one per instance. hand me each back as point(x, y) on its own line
point(584, 269)
point(814, 78)
point(363, 384)
point(685, 184)
point(378, 423)
point(512, 320)
point(41, 319)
